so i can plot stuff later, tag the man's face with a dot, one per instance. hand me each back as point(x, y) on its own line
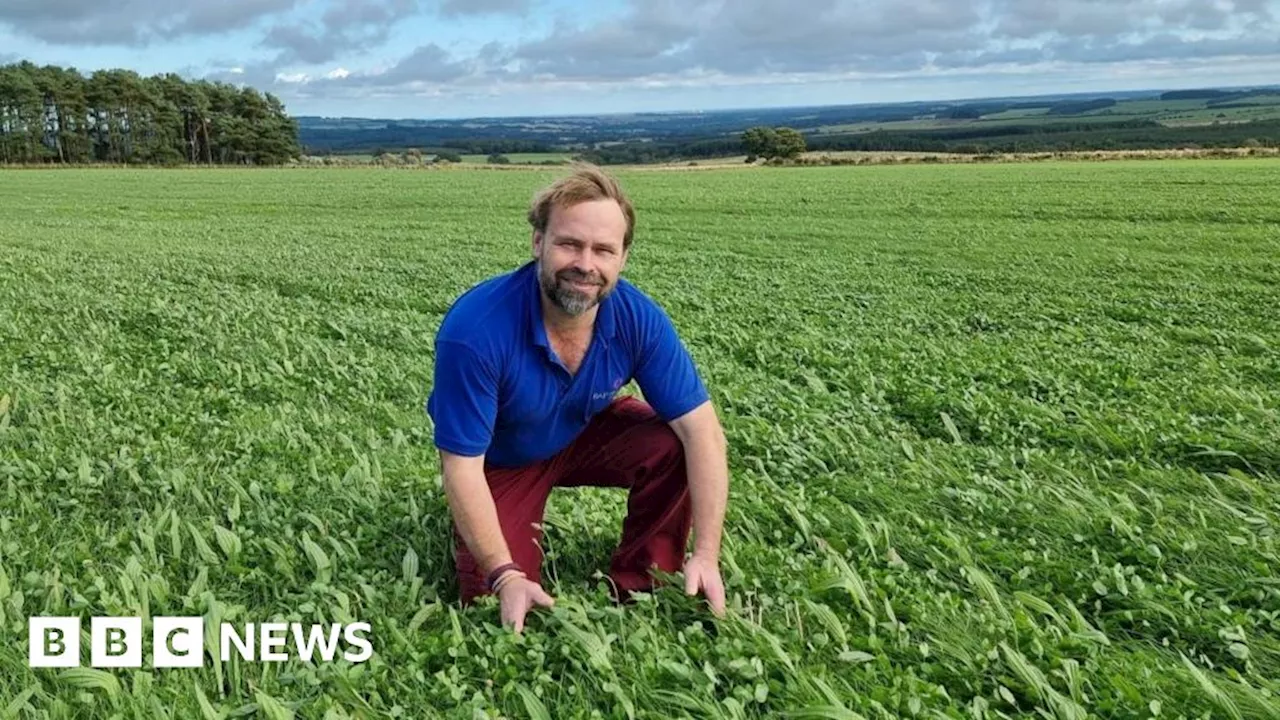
point(580, 256)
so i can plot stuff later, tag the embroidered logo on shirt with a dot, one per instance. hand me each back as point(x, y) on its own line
point(617, 383)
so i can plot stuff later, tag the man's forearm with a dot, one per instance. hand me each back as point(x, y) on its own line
point(476, 516)
point(706, 461)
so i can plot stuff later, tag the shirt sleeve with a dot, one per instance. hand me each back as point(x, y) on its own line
point(665, 370)
point(464, 400)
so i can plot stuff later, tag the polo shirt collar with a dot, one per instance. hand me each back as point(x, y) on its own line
point(606, 314)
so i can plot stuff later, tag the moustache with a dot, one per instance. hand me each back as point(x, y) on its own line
point(575, 276)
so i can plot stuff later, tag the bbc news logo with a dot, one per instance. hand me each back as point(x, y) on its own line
point(178, 642)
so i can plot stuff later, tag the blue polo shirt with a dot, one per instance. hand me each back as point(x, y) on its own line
point(500, 391)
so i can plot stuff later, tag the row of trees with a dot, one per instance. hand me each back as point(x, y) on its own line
point(758, 142)
point(668, 150)
point(50, 114)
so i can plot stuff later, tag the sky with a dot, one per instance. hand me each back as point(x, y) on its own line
point(486, 58)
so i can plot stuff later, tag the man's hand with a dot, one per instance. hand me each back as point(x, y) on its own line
point(707, 466)
point(703, 573)
point(517, 597)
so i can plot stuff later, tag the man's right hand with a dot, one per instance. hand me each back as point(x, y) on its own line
point(517, 597)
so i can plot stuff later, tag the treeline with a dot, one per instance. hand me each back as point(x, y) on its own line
point(467, 140)
point(1220, 98)
point(448, 149)
point(1194, 94)
point(640, 152)
point(50, 114)
point(487, 146)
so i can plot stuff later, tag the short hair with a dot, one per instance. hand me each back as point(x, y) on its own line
point(585, 183)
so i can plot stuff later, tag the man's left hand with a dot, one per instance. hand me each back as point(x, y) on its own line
point(703, 573)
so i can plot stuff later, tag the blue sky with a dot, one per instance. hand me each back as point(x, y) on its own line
point(464, 58)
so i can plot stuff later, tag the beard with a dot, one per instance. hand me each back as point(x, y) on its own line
point(563, 294)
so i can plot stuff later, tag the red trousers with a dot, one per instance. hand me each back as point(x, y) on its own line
point(625, 446)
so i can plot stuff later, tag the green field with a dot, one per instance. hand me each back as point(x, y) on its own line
point(515, 158)
point(1165, 112)
point(1004, 441)
point(1009, 118)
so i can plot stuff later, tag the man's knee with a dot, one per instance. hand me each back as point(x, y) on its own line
point(660, 441)
point(664, 449)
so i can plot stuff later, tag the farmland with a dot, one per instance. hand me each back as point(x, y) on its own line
point(1004, 441)
point(523, 158)
point(1165, 112)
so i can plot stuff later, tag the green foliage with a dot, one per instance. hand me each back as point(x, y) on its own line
point(769, 143)
point(789, 143)
point(759, 141)
point(52, 114)
point(1002, 441)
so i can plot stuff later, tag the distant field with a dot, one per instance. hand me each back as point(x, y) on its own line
point(920, 124)
point(1153, 107)
point(1004, 441)
point(515, 158)
point(1167, 112)
point(523, 158)
point(1015, 117)
point(1016, 114)
point(1267, 111)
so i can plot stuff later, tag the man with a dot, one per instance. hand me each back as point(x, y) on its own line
point(527, 367)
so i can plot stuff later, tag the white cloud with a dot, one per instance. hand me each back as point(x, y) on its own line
point(326, 50)
point(721, 43)
point(133, 22)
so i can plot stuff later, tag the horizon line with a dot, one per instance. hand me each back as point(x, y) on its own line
point(757, 108)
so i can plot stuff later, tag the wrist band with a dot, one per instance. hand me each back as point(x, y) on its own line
point(498, 572)
point(506, 579)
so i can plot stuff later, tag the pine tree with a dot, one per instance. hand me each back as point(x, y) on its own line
point(58, 115)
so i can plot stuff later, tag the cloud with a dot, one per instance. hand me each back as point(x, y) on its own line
point(347, 26)
point(132, 22)
point(1100, 18)
point(1164, 47)
point(699, 43)
point(717, 39)
point(428, 64)
point(766, 36)
point(459, 8)
point(647, 41)
point(428, 67)
point(262, 75)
